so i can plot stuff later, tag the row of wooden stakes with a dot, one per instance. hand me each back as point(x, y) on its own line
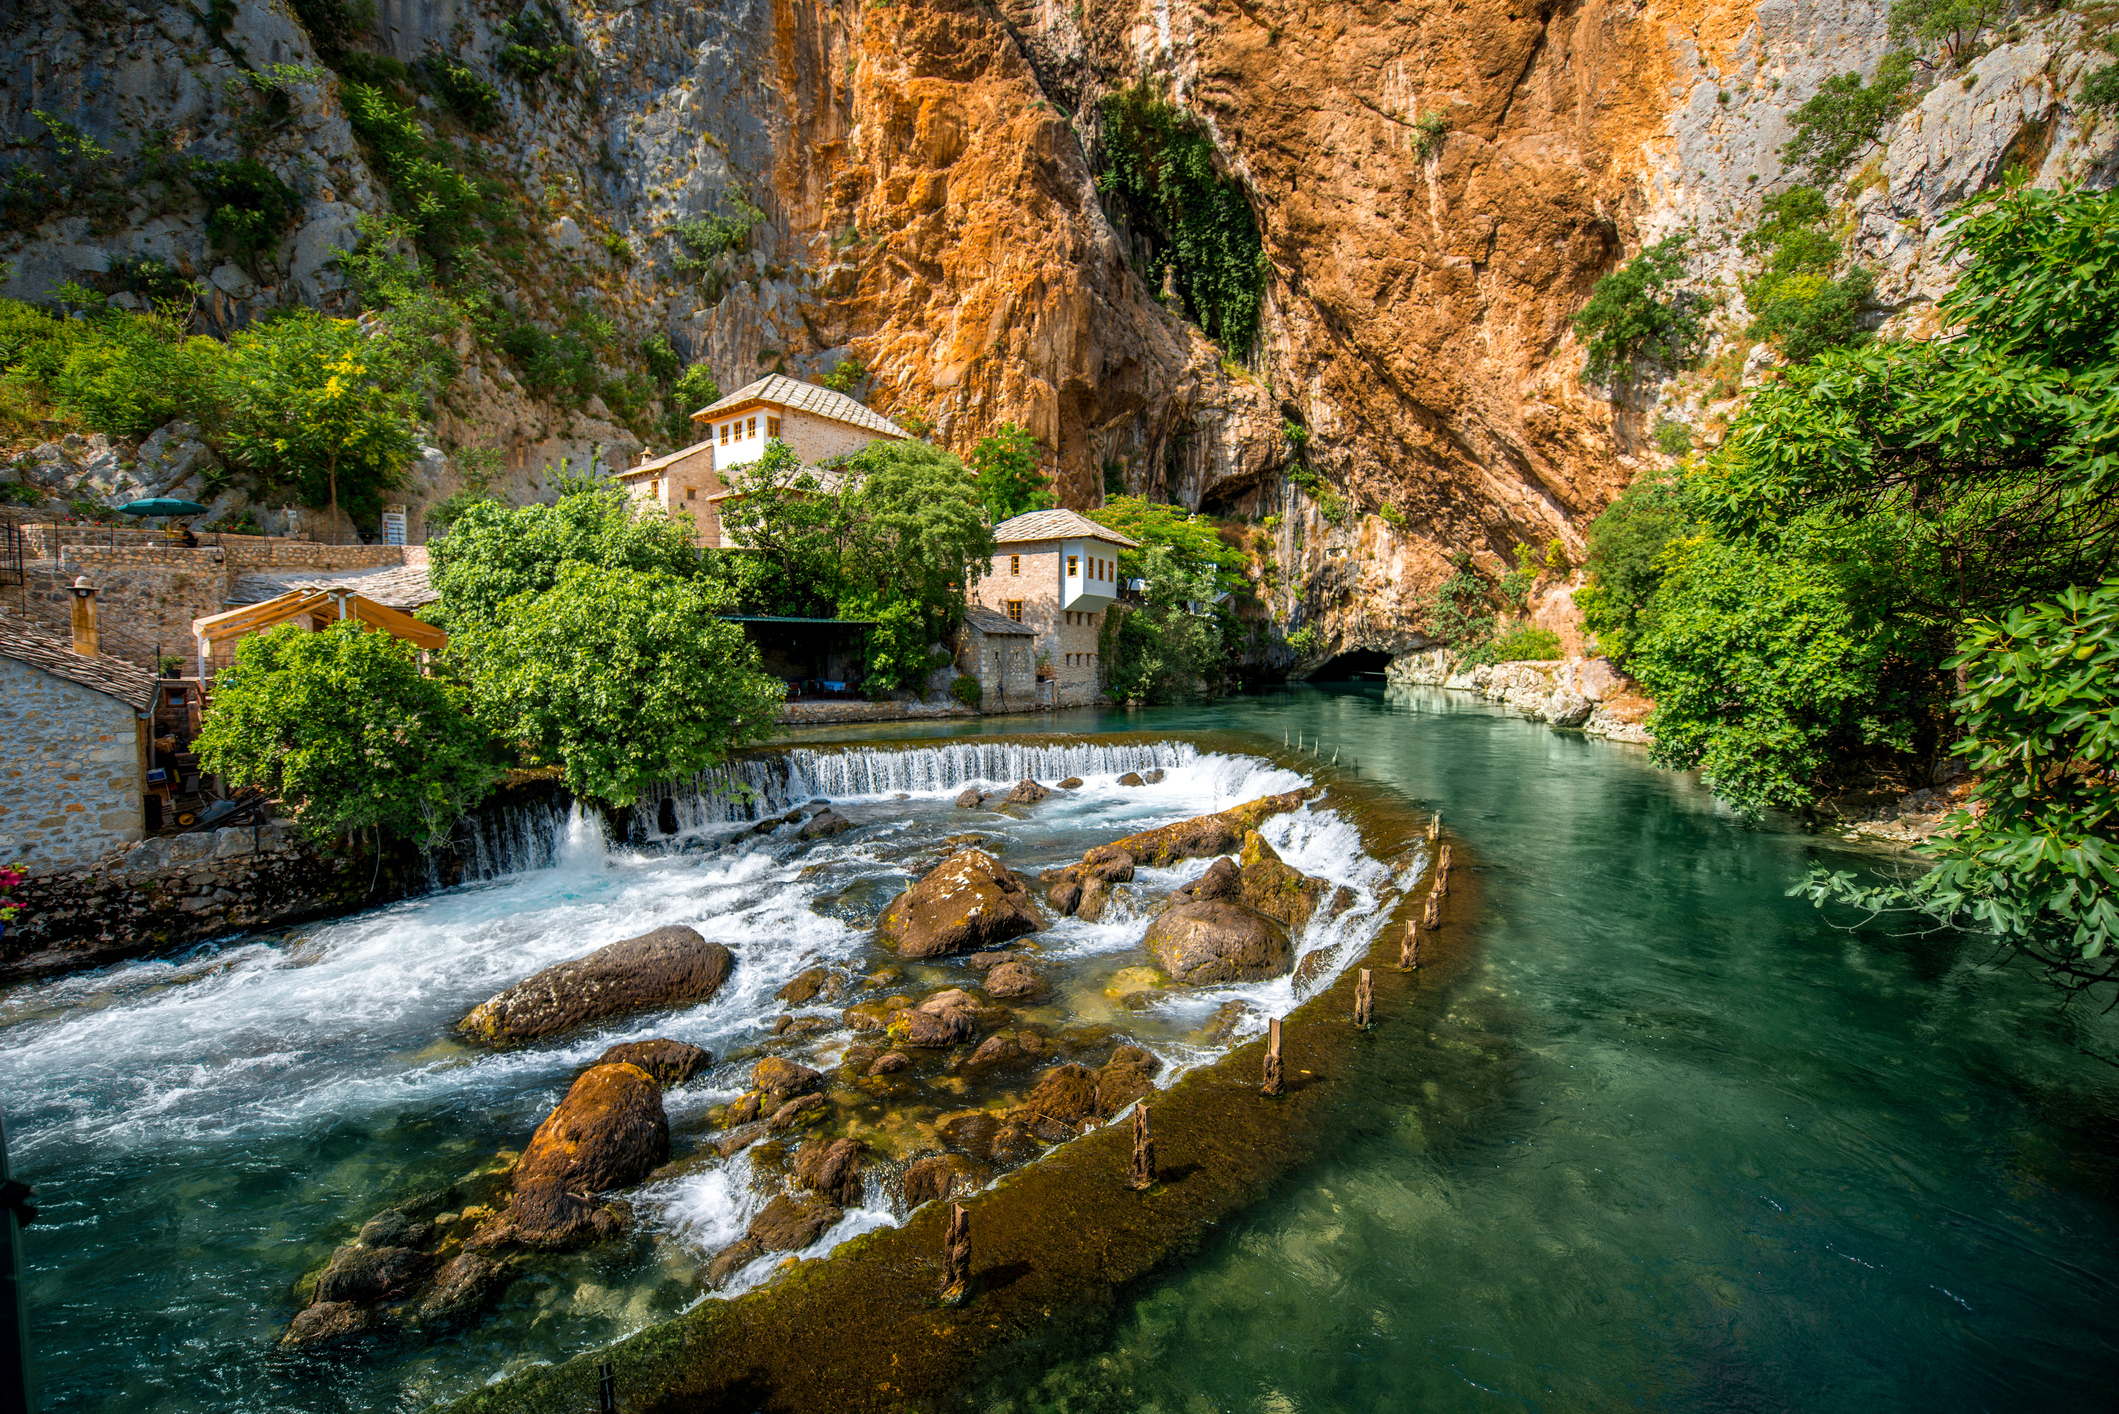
point(956, 1251)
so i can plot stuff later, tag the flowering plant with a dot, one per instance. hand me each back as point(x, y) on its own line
point(9, 908)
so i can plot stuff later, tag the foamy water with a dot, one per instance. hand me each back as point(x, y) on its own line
point(252, 1048)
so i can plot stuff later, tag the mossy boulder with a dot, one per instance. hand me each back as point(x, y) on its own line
point(967, 903)
point(609, 1132)
point(1218, 941)
point(668, 967)
point(780, 1077)
point(1275, 888)
point(670, 1062)
point(1200, 837)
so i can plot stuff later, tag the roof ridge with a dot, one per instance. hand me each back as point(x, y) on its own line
point(807, 397)
point(1057, 523)
point(113, 677)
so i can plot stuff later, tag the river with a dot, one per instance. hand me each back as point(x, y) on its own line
point(1677, 1141)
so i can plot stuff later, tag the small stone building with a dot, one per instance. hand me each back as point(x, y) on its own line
point(1002, 655)
point(1056, 574)
point(73, 751)
point(817, 424)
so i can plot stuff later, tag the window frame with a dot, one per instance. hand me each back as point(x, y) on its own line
point(752, 430)
point(1015, 564)
point(1074, 567)
point(772, 425)
point(1015, 610)
point(724, 433)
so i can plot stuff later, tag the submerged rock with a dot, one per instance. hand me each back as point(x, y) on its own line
point(609, 1132)
point(669, 966)
point(370, 1274)
point(823, 825)
point(890, 1063)
point(780, 1077)
point(1026, 792)
point(669, 1062)
point(932, 1177)
point(968, 902)
point(1218, 941)
point(1013, 979)
point(461, 1288)
point(326, 1321)
point(970, 799)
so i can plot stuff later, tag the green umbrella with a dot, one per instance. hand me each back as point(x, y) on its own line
point(162, 506)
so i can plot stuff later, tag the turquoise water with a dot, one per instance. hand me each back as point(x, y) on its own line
point(1677, 1143)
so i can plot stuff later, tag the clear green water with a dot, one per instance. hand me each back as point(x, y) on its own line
point(1677, 1143)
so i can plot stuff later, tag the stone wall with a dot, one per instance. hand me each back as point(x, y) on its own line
point(171, 891)
point(70, 770)
point(1004, 664)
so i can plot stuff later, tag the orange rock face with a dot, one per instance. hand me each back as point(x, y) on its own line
point(1418, 305)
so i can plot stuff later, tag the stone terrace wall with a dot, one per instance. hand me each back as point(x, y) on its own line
point(148, 595)
point(173, 890)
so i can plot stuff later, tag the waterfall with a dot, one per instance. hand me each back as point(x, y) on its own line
point(517, 835)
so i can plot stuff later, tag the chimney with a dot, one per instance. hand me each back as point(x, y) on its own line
point(84, 617)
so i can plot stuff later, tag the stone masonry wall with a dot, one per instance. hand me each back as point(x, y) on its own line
point(69, 770)
point(170, 891)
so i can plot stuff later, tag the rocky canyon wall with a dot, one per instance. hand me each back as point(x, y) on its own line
point(1437, 185)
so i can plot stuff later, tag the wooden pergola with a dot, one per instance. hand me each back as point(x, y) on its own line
point(320, 607)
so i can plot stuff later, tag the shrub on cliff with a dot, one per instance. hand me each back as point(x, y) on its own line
point(1639, 311)
point(1846, 117)
point(342, 726)
point(1625, 546)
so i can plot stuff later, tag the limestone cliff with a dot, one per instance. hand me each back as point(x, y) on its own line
point(1437, 188)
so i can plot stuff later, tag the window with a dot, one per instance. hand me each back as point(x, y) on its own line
point(753, 428)
point(1015, 610)
point(691, 493)
point(772, 426)
point(1073, 567)
point(724, 434)
point(1015, 566)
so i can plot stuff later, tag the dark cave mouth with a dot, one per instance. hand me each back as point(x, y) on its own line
point(1356, 665)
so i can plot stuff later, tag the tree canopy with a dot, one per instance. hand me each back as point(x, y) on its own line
point(1009, 480)
point(623, 677)
point(1193, 542)
point(342, 726)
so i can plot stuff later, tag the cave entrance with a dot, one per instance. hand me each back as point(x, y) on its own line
point(1359, 665)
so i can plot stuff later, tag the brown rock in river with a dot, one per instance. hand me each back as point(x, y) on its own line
point(802, 1109)
point(935, 1176)
point(1201, 837)
point(461, 1287)
point(1071, 783)
point(831, 1169)
point(824, 825)
point(970, 798)
point(780, 1077)
point(370, 1274)
point(1131, 779)
point(1064, 896)
point(1276, 889)
point(668, 967)
point(1126, 1077)
point(968, 902)
point(1154, 777)
point(1013, 979)
point(791, 1224)
point(1222, 880)
point(890, 1063)
point(324, 1322)
point(1218, 941)
point(670, 1062)
point(1026, 792)
point(1066, 1093)
point(609, 1132)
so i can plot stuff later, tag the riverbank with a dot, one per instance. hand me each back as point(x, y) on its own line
point(1584, 694)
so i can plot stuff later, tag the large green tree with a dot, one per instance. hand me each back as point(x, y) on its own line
point(622, 677)
point(1175, 644)
point(315, 403)
point(343, 726)
point(915, 539)
point(494, 553)
point(791, 522)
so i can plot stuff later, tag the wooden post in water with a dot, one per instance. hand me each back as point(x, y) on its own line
point(956, 1257)
point(1364, 1000)
point(1434, 826)
point(1143, 1176)
point(1432, 919)
point(1409, 950)
point(1272, 1085)
point(1443, 862)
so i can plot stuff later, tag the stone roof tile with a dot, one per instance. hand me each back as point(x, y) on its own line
point(113, 677)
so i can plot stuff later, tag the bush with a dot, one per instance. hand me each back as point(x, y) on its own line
point(342, 725)
point(1843, 119)
point(1626, 543)
point(708, 244)
point(1162, 168)
point(967, 690)
point(536, 46)
point(1010, 481)
point(1524, 643)
point(129, 374)
point(1794, 299)
point(474, 101)
point(2101, 89)
point(1637, 312)
point(429, 191)
point(335, 26)
point(1672, 437)
point(248, 207)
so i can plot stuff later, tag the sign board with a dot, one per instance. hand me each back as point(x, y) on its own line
point(394, 525)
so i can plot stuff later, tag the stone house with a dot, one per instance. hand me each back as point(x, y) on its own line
point(817, 424)
point(1056, 573)
point(1002, 655)
point(73, 751)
